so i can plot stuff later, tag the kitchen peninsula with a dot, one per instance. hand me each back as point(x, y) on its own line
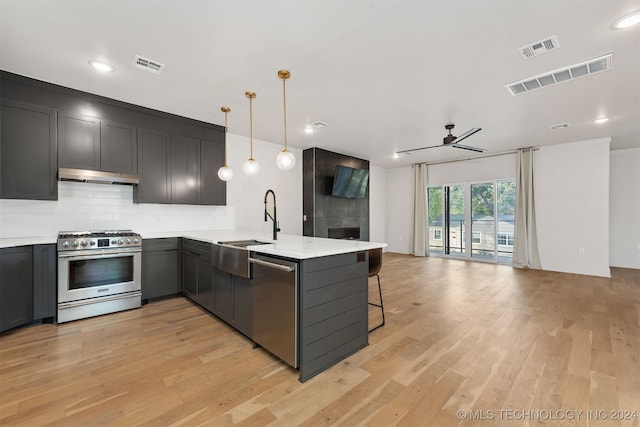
point(324, 313)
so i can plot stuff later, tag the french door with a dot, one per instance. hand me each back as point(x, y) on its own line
point(472, 220)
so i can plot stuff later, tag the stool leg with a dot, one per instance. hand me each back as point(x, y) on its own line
point(381, 305)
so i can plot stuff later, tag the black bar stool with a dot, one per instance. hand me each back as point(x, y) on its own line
point(375, 264)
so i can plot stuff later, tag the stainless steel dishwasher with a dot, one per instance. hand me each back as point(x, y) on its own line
point(275, 308)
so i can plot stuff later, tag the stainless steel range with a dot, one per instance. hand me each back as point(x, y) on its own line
point(99, 272)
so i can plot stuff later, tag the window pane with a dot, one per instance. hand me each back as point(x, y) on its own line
point(506, 214)
point(482, 221)
point(434, 201)
point(456, 220)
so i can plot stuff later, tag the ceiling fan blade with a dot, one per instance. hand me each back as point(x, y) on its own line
point(468, 147)
point(466, 134)
point(417, 149)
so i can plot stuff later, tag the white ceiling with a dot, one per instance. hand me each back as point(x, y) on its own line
point(385, 75)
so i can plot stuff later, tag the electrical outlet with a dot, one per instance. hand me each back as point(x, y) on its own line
point(304, 217)
point(581, 250)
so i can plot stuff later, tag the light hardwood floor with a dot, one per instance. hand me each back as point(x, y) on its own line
point(484, 339)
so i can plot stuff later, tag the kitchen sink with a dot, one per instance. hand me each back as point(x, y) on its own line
point(244, 243)
point(233, 256)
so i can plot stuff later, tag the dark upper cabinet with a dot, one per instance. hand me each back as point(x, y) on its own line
point(118, 148)
point(16, 287)
point(95, 144)
point(213, 191)
point(154, 167)
point(185, 169)
point(44, 281)
point(28, 152)
point(78, 141)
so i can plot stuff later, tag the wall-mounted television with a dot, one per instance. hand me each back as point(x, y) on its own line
point(350, 183)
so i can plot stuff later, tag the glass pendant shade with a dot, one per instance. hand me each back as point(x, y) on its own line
point(225, 173)
point(251, 167)
point(286, 160)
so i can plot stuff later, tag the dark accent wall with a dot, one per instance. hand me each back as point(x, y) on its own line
point(322, 210)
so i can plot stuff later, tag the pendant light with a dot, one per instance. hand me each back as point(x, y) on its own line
point(225, 173)
point(285, 160)
point(251, 167)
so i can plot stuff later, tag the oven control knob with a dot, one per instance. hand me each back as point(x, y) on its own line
point(75, 244)
point(119, 241)
point(92, 243)
point(65, 244)
point(84, 243)
point(135, 241)
point(113, 242)
point(128, 241)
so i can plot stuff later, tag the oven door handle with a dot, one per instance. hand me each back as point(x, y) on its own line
point(80, 255)
point(72, 304)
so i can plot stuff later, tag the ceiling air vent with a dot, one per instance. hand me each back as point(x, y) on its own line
point(147, 64)
point(319, 124)
point(559, 126)
point(539, 47)
point(572, 72)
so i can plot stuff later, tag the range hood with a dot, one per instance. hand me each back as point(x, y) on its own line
point(98, 177)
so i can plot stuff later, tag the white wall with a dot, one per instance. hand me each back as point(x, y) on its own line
point(377, 204)
point(400, 210)
point(245, 194)
point(488, 168)
point(624, 224)
point(571, 184)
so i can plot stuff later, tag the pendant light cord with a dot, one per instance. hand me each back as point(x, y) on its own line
point(284, 96)
point(251, 128)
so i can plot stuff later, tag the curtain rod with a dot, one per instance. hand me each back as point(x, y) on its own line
point(503, 153)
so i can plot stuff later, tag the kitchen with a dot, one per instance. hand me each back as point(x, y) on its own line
point(199, 369)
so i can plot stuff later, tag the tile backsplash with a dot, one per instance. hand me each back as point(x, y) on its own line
point(84, 206)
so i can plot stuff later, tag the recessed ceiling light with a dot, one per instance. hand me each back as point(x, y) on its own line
point(102, 66)
point(396, 155)
point(308, 130)
point(627, 21)
point(601, 120)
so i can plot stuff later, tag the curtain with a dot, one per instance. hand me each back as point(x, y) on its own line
point(525, 251)
point(420, 210)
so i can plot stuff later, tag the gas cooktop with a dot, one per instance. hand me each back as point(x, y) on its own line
point(86, 240)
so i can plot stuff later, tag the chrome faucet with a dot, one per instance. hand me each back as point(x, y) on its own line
point(267, 214)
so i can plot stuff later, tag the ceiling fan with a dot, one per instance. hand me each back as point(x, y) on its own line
point(451, 141)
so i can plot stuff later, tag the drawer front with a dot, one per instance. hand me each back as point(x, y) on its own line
point(164, 244)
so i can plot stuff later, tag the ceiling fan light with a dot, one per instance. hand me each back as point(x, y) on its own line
point(286, 160)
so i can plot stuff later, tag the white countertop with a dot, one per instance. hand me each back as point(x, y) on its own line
point(9, 242)
point(296, 247)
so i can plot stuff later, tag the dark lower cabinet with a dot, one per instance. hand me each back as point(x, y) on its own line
point(45, 281)
point(242, 304)
point(205, 283)
point(28, 152)
point(222, 291)
point(197, 280)
point(224, 295)
point(28, 284)
point(160, 268)
point(16, 287)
